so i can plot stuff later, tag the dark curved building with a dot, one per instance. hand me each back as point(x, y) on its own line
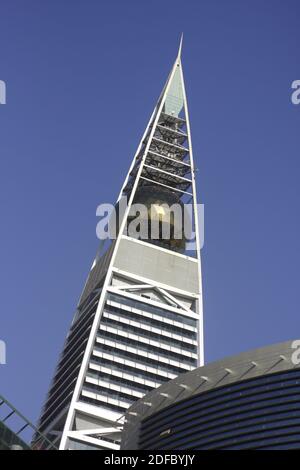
point(248, 401)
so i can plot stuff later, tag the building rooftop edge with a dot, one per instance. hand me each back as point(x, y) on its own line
point(243, 366)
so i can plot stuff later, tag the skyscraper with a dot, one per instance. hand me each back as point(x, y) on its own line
point(139, 318)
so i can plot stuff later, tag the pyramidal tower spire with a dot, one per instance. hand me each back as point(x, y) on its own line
point(180, 47)
point(138, 321)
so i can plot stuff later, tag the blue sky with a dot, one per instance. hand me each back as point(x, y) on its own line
point(82, 79)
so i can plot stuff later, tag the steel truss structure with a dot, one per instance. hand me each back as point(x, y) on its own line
point(139, 321)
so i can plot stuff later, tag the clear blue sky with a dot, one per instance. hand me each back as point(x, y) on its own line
point(82, 79)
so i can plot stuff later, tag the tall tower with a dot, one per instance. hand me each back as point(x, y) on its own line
point(139, 318)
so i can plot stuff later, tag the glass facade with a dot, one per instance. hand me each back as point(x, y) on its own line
point(138, 347)
point(258, 413)
point(63, 383)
